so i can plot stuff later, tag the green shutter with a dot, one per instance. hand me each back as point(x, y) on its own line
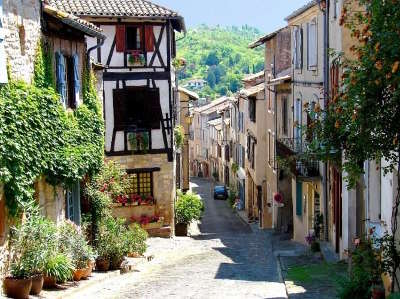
point(299, 200)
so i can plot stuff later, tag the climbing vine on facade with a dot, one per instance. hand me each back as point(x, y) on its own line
point(39, 137)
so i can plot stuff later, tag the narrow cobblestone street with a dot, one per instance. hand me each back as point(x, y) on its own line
point(224, 259)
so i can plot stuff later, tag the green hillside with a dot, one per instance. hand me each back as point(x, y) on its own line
point(219, 55)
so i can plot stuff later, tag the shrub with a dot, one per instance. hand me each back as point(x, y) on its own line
point(179, 133)
point(232, 196)
point(315, 246)
point(188, 207)
point(60, 267)
point(72, 243)
point(135, 239)
point(31, 243)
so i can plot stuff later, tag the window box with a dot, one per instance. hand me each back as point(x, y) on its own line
point(136, 58)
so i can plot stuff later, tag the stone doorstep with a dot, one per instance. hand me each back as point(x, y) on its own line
point(95, 278)
point(163, 232)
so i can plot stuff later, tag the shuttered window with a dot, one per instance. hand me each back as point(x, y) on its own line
point(299, 198)
point(73, 204)
point(3, 63)
point(134, 38)
point(312, 47)
point(61, 77)
point(298, 47)
point(137, 107)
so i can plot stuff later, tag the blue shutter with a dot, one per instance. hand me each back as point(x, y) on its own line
point(299, 198)
point(3, 64)
point(60, 75)
point(77, 84)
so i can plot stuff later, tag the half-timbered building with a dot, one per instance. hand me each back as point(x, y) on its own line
point(139, 93)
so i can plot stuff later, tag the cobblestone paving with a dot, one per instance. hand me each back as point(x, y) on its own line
point(226, 259)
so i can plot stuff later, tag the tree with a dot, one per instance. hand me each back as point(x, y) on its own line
point(211, 80)
point(362, 120)
point(212, 59)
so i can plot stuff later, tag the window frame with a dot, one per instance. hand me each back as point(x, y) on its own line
point(139, 172)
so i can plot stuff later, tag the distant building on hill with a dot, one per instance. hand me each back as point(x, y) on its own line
point(196, 84)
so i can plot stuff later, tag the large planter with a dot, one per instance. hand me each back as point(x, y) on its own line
point(87, 273)
point(79, 274)
point(37, 284)
point(115, 263)
point(17, 288)
point(102, 264)
point(181, 229)
point(49, 282)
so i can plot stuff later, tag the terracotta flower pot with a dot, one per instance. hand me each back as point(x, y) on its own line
point(87, 273)
point(103, 264)
point(78, 274)
point(37, 284)
point(49, 282)
point(181, 229)
point(17, 288)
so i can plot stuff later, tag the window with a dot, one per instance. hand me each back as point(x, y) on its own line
point(297, 129)
point(134, 38)
point(251, 150)
point(335, 8)
point(299, 198)
point(312, 47)
point(298, 48)
point(137, 107)
point(140, 183)
point(252, 110)
point(67, 78)
point(285, 115)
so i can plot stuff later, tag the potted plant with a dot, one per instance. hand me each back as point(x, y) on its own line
point(135, 240)
point(58, 269)
point(31, 242)
point(73, 243)
point(188, 207)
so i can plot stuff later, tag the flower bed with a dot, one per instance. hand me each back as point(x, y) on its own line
point(149, 222)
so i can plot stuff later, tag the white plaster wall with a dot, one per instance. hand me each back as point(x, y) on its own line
point(388, 194)
point(117, 59)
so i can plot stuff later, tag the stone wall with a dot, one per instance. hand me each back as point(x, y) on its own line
point(163, 181)
point(21, 21)
point(51, 200)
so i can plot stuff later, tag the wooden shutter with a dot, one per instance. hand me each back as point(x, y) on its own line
point(149, 38)
point(120, 38)
point(312, 44)
point(299, 198)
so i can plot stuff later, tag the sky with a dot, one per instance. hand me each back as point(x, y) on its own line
point(266, 15)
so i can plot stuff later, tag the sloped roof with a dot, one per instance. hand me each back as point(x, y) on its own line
point(116, 8)
point(189, 93)
point(215, 122)
point(252, 91)
point(253, 76)
point(73, 21)
point(213, 104)
point(265, 38)
point(301, 10)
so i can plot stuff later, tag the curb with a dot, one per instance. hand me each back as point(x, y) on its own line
point(280, 275)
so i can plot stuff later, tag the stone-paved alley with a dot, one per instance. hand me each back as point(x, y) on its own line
point(224, 259)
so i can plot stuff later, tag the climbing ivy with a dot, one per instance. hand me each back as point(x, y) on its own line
point(39, 137)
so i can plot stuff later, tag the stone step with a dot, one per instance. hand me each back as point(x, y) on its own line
point(163, 232)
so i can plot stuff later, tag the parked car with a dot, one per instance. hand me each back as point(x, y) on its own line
point(220, 192)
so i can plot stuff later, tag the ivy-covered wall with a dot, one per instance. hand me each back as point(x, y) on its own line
point(39, 137)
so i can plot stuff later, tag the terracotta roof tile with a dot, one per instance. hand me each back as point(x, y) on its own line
point(113, 8)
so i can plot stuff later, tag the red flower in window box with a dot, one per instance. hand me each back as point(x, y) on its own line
point(135, 199)
point(145, 220)
point(104, 188)
point(149, 200)
point(122, 199)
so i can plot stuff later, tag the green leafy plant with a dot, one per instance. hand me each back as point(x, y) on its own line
point(135, 239)
point(72, 243)
point(179, 133)
point(31, 242)
point(38, 137)
point(60, 267)
point(235, 168)
point(188, 207)
point(232, 196)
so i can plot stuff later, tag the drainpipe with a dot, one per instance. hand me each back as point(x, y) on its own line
point(325, 12)
point(98, 45)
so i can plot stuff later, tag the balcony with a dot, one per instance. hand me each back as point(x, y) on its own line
point(300, 166)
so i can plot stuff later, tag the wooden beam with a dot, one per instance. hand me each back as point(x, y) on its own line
point(114, 76)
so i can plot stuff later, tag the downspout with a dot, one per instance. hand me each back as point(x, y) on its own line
point(326, 93)
point(98, 45)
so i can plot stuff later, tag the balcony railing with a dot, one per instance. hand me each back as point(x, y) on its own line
point(302, 166)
